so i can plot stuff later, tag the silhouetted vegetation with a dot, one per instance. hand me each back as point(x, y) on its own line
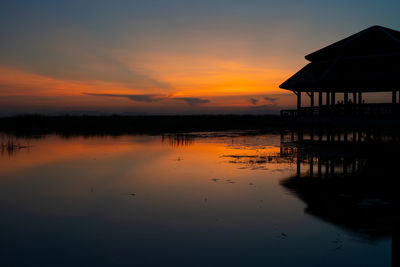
point(117, 125)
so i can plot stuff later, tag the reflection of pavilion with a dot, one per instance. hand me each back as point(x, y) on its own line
point(366, 62)
point(335, 151)
point(348, 178)
point(361, 205)
point(344, 176)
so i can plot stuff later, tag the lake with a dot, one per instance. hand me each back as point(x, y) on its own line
point(201, 199)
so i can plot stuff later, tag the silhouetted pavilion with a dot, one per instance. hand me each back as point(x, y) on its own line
point(368, 61)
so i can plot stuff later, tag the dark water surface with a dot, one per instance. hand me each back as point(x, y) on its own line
point(212, 199)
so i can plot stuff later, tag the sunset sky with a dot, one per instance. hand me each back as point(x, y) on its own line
point(167, 56)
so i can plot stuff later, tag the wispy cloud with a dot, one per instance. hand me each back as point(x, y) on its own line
point(271, 100)
point(254, 101)
point(148, 98)
point(192, 101)
point(138, 98)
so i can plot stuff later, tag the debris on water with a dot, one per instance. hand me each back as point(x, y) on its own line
point(284, 235)
point(91, 190)
point(373, 202)
point(215, 179)
point(205, 200)
point(132, 194)
point(251, 184)
point(339, 247)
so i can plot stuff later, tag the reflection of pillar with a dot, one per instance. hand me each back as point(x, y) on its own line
point(319, 167)
point(311, 166)
point(298, 164)
point(332, 167)
point(328, 135)
point(345, 134)
point(320, 134)
point(368, 134)
point(312, 134)
point(354, 135)
point(327, 168)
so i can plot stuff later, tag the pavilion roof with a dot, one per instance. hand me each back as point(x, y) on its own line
point(366, 61)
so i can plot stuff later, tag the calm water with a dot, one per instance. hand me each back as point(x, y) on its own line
point(211, 200)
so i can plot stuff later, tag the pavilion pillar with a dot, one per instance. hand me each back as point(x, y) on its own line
point(311, 94)
point(354, 97)
point(327, 99)
point(298, 102)
point(346, 102)
point(320, 102)
point(399, 98)
point(360, 109)
point(394, 94)
point(312, 99)
point(333, 103)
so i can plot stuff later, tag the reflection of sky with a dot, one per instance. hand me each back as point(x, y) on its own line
point(231, 53)
point(70, 198)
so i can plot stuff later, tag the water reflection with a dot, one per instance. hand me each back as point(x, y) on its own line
point(159, 200)
point(347, 181)
point(10, 145)
point(178, 140)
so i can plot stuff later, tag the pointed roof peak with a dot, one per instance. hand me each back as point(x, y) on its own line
point(374, 40)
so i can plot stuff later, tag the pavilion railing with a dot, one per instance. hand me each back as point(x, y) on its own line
point(375, 110)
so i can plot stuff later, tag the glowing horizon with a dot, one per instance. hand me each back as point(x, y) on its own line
point(165, 57)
